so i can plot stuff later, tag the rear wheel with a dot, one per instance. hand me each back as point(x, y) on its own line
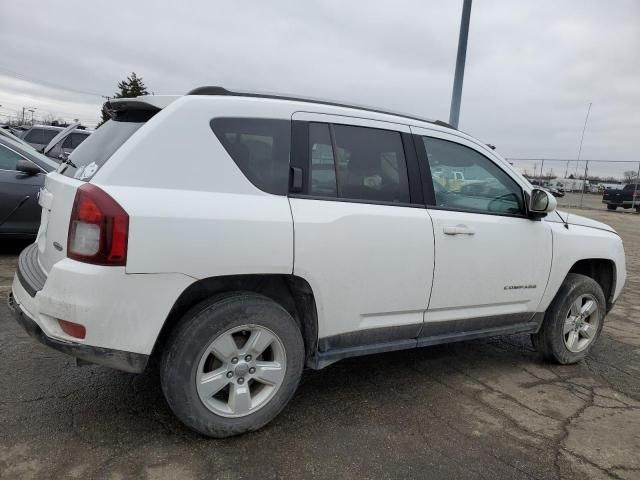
point(232, 365)
point(611, 207)
point(573, 321)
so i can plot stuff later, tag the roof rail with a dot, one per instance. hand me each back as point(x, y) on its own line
point(216, 90)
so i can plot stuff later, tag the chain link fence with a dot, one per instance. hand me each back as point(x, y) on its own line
point(582, 183)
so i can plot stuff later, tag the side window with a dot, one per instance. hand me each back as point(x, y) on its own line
point(40, 135)
point(260, 147)
point(370, 164)
point(8, 158)
point(323, 173)
point(464, 179)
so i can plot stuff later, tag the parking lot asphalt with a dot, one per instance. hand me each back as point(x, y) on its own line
point(479, 409)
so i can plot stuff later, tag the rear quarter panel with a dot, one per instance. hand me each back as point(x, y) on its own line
point(191, 210)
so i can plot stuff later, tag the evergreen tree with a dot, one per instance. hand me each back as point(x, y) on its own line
point(132, 86)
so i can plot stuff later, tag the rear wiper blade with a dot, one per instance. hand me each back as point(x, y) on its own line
point(67, 161)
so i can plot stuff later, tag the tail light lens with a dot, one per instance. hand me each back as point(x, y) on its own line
point(73, 329)
point(98, 229)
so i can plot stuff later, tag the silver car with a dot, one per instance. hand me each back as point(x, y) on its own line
point(39, 136)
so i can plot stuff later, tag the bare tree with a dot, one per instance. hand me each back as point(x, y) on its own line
point(629, 176)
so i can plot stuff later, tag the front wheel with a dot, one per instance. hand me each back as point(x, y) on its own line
point(232, 365)
point(611, 207)
point(573, 321)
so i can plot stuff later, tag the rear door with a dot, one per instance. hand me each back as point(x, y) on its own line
point(363, 238)
point(492, 262)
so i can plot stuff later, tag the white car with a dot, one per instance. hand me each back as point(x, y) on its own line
point(242, 237)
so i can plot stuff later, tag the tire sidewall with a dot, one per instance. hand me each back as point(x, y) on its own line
point(574, 286)
point(200, 327)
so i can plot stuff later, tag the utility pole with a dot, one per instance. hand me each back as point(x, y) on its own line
point(23, 108)
point(456, 95)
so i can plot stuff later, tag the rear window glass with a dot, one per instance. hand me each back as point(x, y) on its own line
point(98, 147)
point(40, 135)
point(260, 148)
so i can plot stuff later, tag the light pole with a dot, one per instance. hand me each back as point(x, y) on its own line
point(32, 110)
point(456, 95)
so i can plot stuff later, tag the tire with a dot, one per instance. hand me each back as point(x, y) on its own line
point(221, 324)
point(611, 207)
point(551, 340)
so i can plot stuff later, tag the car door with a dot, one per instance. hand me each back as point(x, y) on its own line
point(491, 261)
point(19, 209)
point(362, 236)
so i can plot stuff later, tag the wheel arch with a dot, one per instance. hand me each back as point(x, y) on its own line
point(603, 271)
point(292, 292)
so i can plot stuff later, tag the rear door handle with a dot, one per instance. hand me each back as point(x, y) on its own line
point(458, 230)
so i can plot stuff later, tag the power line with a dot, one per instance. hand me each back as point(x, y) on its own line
point(48, 83)
point(53, 112)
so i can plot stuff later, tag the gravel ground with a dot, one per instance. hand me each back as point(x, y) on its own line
point(479, 409)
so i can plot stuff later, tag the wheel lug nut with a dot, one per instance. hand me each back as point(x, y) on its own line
point(229, 374)
point(247, 358)
point(234, 360)
point(252, 370)
point(240, 380)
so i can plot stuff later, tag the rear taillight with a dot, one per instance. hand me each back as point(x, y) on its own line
point(98, 229)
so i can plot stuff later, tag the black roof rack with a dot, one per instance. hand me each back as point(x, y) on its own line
point(215, 90)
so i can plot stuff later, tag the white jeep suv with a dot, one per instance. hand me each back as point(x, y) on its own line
point(241, 237)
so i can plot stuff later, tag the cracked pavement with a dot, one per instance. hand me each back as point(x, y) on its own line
point(479, 409)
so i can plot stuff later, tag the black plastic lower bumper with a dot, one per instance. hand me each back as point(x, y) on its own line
point(118, 359)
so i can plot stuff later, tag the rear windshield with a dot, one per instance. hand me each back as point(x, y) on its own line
point(40, 135)
point(98, 147)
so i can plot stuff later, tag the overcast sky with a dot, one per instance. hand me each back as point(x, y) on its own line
point(532, 66)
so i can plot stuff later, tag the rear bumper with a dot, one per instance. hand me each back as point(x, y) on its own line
point(622, 203)
point(126, 361)
point(122, 313)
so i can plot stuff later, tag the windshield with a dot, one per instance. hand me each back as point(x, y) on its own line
point(85, 161)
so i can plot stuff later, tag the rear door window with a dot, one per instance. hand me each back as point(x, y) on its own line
point(260, 147)
point(40, 135)
point(370, 164)
point(323, 173)
point(98, 147)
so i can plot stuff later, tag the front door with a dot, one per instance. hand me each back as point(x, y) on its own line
point(19, 209)
point(492, 262)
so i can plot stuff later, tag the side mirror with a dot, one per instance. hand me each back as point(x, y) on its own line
point(541, 202)
point(28, 168)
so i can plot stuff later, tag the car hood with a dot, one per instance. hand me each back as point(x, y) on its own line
point(572, 219)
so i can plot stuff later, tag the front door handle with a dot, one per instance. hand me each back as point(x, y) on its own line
point(458, 230)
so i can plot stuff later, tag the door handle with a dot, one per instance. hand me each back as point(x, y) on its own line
point(458, 230)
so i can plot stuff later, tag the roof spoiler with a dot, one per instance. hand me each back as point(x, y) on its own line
point(137, 109)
